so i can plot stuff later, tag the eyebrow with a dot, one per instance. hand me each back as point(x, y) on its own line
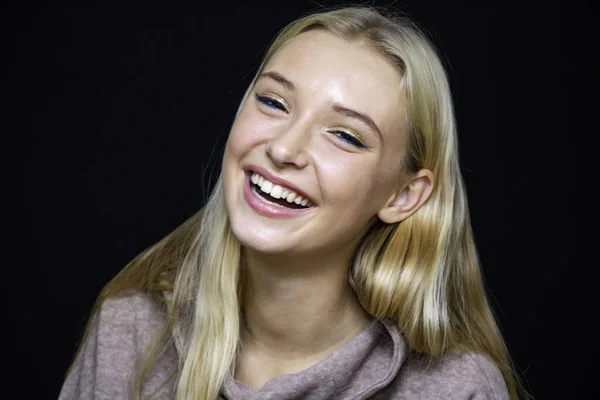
point(338, 108)
point(277, 77)
point(348, 112)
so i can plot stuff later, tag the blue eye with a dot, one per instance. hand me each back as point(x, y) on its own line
point(271, 102)
point(348, 138)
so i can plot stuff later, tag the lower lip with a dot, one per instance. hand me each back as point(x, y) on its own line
point(258, 204)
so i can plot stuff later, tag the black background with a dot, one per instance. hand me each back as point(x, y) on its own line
point(115, 111)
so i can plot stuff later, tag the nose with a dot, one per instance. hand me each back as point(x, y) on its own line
point(291, 146)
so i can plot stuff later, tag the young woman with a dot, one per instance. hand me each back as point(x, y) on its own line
point(334, 258)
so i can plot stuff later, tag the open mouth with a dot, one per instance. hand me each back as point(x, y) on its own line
point(276, 194)
point(280, 202)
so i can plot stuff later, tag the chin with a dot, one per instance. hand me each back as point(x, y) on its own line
point(262, 240)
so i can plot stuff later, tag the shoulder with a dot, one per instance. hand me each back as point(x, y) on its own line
point(124, 325)
point(118, 333)
point(133, 313)
point(454, 375)
point(129, 304)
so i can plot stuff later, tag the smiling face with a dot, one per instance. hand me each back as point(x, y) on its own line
point(326, 122)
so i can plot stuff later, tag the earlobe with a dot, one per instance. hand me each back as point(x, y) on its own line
point(407, 199)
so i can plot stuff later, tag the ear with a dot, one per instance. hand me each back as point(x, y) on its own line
point(408, 198)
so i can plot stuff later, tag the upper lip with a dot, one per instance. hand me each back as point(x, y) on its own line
point(279, 181)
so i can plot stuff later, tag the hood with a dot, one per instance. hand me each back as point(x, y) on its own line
point(363, 366)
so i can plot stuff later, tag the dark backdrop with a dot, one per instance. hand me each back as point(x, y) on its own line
point(118, 110)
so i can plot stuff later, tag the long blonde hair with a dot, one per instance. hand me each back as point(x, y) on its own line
point(423, 272)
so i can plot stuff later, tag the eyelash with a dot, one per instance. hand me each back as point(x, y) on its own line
point(277, 105)
point(348, 138)
point(271, 102)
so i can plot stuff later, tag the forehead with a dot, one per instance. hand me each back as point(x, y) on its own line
point(328, 69)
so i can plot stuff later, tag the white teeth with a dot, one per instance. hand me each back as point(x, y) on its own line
point(266, 186)
point(276, 191)
point(290, 197)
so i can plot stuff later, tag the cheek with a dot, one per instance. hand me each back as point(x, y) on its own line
point(349, 184)
point(248, 131)
point(239, 140)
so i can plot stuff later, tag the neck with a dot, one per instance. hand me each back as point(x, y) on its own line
point(299, 310)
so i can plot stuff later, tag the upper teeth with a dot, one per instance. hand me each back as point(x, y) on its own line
point(278, 192)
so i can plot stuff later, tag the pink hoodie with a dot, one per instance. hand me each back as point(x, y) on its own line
point(375, 364)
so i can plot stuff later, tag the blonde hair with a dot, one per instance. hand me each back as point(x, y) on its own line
point(423, 272)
